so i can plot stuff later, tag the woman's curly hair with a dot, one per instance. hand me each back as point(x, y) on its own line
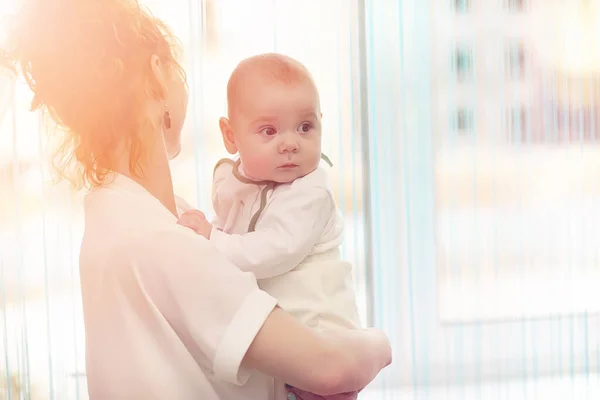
point(88, 65)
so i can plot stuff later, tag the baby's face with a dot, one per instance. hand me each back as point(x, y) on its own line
point(277, 131)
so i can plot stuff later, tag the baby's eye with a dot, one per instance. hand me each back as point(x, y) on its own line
point(305, 127)
point(269, 131)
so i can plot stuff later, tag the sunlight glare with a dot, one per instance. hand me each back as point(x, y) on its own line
point(580, 51)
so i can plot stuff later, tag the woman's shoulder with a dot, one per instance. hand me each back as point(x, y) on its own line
point(166, 241)
point(155, 254)
point(182, 205)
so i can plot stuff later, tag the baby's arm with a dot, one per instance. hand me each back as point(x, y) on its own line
point(285, 234)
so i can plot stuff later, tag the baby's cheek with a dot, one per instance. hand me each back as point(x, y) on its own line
point(258, 167)
point(312, 161)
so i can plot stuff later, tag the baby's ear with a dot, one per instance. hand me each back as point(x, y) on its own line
point(228, 137)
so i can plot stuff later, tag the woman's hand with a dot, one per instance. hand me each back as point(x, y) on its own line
point(297, 394)
point(196, 221)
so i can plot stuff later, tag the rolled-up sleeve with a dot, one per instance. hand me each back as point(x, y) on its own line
point(238, 336)
point(214, 308)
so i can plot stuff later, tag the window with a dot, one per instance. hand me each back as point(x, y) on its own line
point(462, 63)
point(511, 257)
point(588, 123)
point(516, 5)
point(515, 61)
point(461, 6)
point(577, 124)
point(517, 119)
point(462, 121)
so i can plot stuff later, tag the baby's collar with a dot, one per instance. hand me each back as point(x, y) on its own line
point(326, 159)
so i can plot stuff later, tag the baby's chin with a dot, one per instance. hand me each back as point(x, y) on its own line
point(281, 176)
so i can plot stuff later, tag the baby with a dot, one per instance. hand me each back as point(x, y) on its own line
point(275, 211)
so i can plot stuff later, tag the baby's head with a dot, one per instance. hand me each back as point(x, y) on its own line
point(274, 118)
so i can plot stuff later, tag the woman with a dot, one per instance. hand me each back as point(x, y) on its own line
point(166, 316)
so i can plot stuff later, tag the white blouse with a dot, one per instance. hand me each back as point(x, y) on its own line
point(166, 315)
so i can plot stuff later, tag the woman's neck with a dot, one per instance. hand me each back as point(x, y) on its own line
point(154, 174)
point(159, 183)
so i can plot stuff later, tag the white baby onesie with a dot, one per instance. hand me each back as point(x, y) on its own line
point(288, 235)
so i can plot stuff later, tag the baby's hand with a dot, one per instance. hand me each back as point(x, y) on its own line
point(196, 221)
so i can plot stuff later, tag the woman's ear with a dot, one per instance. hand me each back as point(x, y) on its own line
point(228, 137)
point(156, 66)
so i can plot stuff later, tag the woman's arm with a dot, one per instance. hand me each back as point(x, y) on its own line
point(231, 326)
point(299, 394)
point(327, 363)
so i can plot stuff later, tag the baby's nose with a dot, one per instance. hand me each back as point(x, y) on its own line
point(289, 144)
